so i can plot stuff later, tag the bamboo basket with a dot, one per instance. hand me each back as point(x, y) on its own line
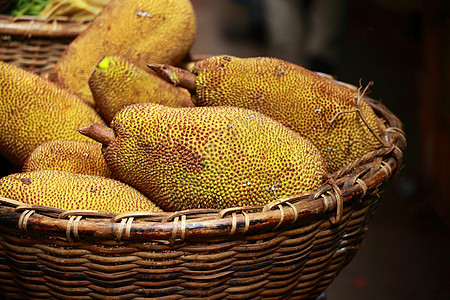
point(33, 43)
point(291, 248)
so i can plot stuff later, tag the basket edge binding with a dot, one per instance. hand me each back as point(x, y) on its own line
point(28, 27)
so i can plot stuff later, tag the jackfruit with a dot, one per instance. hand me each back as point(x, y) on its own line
point(208, 157)
point(34, 110)
point(143, 31)
point(324, 111)
point(66, 190)
point(116, 83)
point(71, 156)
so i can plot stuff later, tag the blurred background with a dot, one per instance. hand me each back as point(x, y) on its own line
point(403, 47)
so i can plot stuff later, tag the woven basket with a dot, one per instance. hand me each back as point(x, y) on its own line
point(291, 248)
point(33, 43)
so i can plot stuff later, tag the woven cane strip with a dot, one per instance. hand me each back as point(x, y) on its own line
point(386, 168)
point(72, 226)
point(24, 219)
point(363, 186)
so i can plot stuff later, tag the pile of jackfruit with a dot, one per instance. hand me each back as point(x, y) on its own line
point(126, 122)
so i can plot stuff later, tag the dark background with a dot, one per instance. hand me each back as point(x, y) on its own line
point(403, 47)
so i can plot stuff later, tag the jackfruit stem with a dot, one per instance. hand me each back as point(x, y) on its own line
point(99, 133)
point(176, 76)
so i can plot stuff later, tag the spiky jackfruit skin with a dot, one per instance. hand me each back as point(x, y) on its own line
point(71, 156)
point(66, 190)
point(34, 110)
point(116, 83)
point(143, 31)
point(210, 157)
point(299, 98)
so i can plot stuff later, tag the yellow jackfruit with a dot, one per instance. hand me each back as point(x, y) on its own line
point(116, 83)
point(66, 190)
point(71, 156)
point(142, 31)
point(209, 157)
point(34, 110)
point(324, 111)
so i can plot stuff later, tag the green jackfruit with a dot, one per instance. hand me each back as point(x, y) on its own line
point(71, 156)
point(116, 83)
point(142, 31)
point(208, 157)
point(34, 110)
point(329, 114)
point(66, 190)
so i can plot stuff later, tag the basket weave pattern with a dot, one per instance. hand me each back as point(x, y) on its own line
point(35, 44)
point(290, 248)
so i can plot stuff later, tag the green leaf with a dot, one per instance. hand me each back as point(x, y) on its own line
point(27, 7)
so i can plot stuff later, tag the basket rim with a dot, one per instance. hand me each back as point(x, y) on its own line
point(31, 26)
point(348, 184)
